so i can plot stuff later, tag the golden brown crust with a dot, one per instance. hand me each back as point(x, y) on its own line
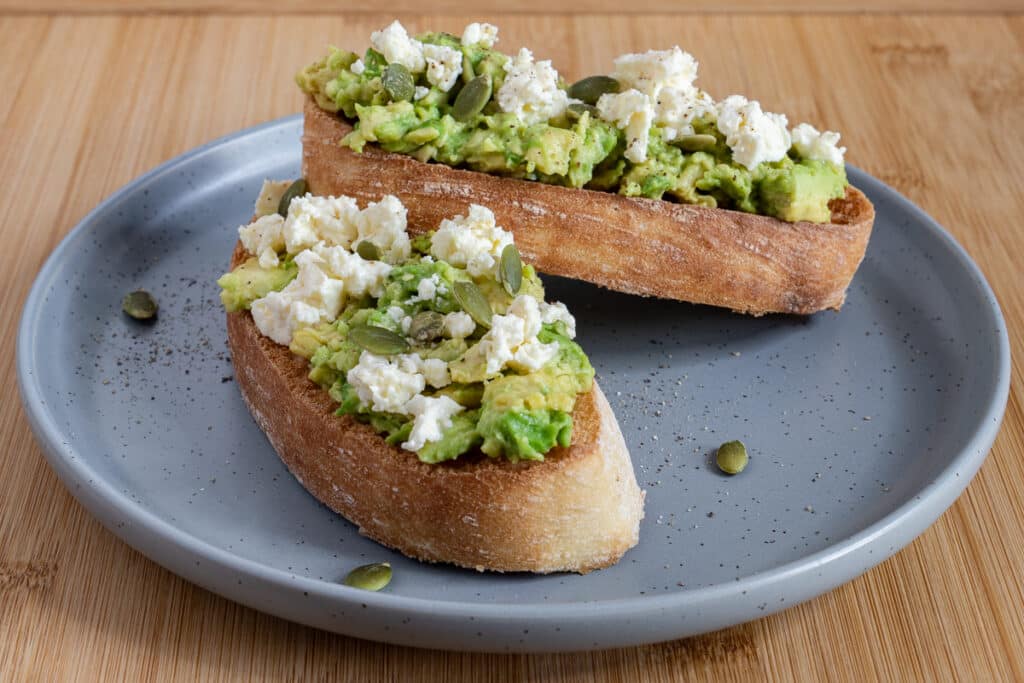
point(752, 264)
point(578, 510)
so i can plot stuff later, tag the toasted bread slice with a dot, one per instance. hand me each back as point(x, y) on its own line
point(578, 510)
point(749, 263)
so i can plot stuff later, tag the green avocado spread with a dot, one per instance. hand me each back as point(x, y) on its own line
point(645, 132)
point(505, 386)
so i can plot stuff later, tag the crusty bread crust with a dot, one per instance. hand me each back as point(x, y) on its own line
point(751, 264)
point(578, 510)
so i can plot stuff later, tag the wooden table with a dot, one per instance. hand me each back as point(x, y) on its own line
point(96, 92)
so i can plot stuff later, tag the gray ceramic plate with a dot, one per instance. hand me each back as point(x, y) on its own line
point(864, 426)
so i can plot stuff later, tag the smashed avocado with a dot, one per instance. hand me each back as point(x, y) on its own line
point(575, 149)
point(512, 414)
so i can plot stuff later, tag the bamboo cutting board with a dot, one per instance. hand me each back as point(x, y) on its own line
point(98, 92)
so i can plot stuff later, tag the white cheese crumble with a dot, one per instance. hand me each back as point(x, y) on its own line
point(313, 219)
point(383, 223)
point(512, 339)
point(385, 385)
point(398, 48)
point(480, 34)
point(473, 241)
point(432, 415)
point(651, 71)
point(361, 277)
point(263, 237)
point(753, 135)
point(444, 65)
point(420, 92)
point(675, 110)
point(458, 325)
point(810, 144)
point(311, 298)
point(530, 90)
point(557, 312)
point(358, 67)
point(428, 289)
point(633, 112)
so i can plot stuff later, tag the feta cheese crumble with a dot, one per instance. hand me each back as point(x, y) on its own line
point(651, 71)
point(264, 238)
point(473, 241)
point(810, 144)
point(557, 312)
point(313, 219)
point(480, 34)
point(633, 112)
point(432, 415)
point(530, 90)
point(458, 325)
point(753, 135)
point(512, 340)
point(444, 65)
point(394, 386)
point(398, 48)
point(311, 298)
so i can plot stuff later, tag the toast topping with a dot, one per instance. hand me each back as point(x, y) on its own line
point(645, 130)
point(399, 343)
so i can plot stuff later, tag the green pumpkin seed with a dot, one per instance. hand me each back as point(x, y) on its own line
point(472, 99)
point(576, 110)
point(296, 189)
point(590, 89)
point(370, 577)
point(468, 73)
point(426, 326)
point(378, 340)
point(510, 271)
point(695, 143)
point(398, 82)
point(140, 305)
point(473, 302)
point(368, 250)
point(732, 457)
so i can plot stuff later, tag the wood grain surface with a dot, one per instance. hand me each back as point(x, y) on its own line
point(931, 104)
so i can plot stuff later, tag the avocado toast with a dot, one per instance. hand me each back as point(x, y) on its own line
point(638, 182)
point(423, 388)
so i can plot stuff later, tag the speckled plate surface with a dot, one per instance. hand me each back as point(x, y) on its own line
point(863, 426)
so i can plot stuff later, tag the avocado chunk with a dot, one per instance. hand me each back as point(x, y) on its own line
point(249, 281)
point(802, 192)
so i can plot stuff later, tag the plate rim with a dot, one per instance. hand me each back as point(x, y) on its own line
point(903, 524)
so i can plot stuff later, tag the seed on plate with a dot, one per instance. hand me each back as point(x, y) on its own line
point(369, 577)
point(732, 457)
point(140, 305)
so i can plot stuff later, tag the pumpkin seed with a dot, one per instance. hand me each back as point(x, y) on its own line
point(576, 110)
point(368, 250)
point(370, 577)
point(732, 457)
point(468, 73)
point(510, 270)
point(296, 189)
point(695, 143)
point(472, 99)
point(398, 83)
point(590, 89)
point(473, 302)
point(378, 340)
point(140, 305)
point(426, 326)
